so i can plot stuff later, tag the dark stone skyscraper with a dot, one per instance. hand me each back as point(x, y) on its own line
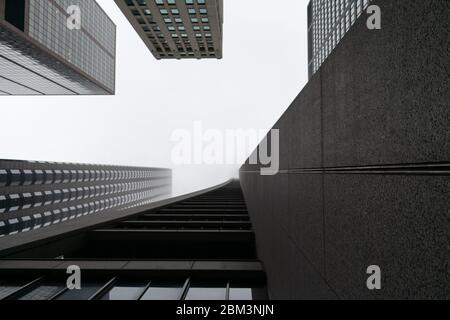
point(56, 47)
point(364, 167)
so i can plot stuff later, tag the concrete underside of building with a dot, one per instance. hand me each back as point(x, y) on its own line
point(364, 156)
point(197, 246)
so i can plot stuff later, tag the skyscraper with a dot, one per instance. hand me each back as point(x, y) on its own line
point(177, 29)
point(328, 22)
point(34, 195)
point(41, 53)
point(364, 171)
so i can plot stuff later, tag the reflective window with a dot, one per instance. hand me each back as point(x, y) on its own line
point(43, 292)
point(9, 287)
point(126, 290)
point(239, 291)
point(241, 294)
point(160, 290)
point(88, 289)
point(200, 291)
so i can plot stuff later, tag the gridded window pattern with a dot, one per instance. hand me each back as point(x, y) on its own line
point(91, 49)
point(28, 70)
point(328, 22)
point(178, 28)
point(95, 22)
point(33, 198)
point(122, 288)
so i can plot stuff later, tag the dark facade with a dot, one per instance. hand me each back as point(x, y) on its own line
point(41, 55)
point(364, 167)
point(199, 246)
point(178, 29)
point(328, 22)
point(36, 195)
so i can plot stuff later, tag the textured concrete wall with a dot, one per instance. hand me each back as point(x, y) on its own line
point(365, 166)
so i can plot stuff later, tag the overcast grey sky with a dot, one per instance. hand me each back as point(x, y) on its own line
point(263, 69)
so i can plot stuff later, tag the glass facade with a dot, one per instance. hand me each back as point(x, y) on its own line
point(138, 288)
point(48, 58)
point(207, 291)
point(37, 195)
point(328, 22)
point(91, 49)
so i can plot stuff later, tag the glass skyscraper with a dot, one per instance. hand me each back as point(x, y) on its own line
point(41, 55)
point(35, 195)
point(328, 22)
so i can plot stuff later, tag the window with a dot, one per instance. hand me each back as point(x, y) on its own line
point(9, 287)
point(162, 290)
point(126, 290)
point(199, 291)
point(43, 292)
point(87, 291)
